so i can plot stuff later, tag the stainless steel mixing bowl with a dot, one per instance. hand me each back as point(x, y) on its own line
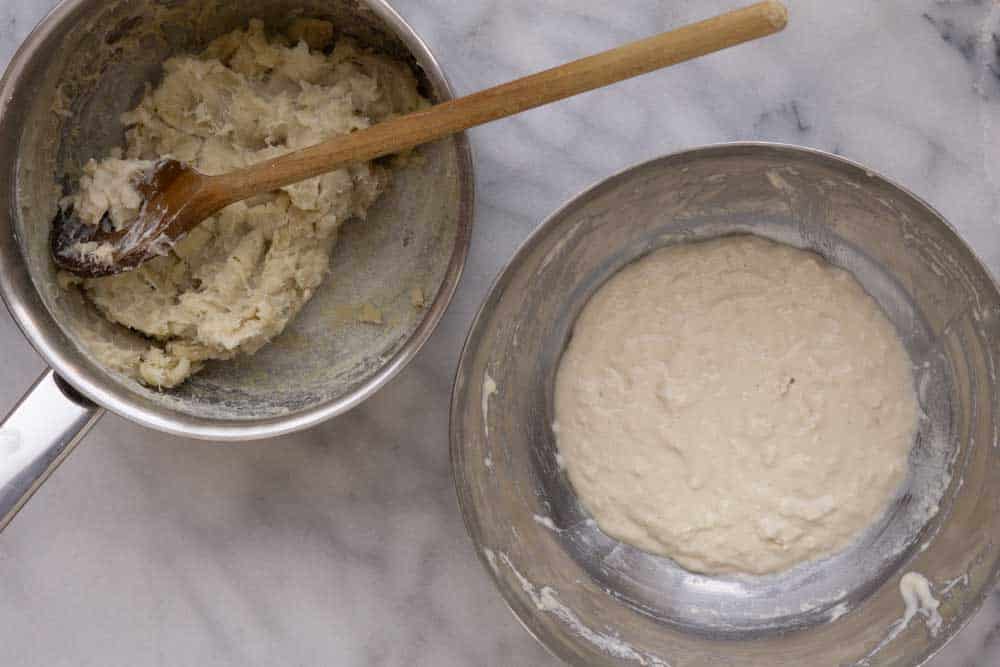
point(60, 101)
point(593, 600)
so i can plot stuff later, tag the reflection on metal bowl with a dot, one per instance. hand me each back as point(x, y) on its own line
point(593, 600)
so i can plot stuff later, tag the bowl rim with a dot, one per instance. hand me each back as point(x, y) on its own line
point(460, 385)
point(61, 354)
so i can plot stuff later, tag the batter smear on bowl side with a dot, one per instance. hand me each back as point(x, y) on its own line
point(240, 277)
point(738, 405)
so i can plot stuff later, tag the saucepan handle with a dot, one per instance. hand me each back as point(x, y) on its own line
point(36, 436)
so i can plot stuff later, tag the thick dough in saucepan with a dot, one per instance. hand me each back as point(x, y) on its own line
point(237, 280)
point(737, 405)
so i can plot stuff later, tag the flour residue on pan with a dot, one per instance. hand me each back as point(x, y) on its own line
point(838, 611)
point(489, 389)
point(546, 522)
point(918, 598)
point(491, 558)
point(546, 599)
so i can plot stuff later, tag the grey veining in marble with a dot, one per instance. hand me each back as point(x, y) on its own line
point(344, 545)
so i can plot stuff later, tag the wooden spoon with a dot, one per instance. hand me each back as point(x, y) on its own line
point(177, 198)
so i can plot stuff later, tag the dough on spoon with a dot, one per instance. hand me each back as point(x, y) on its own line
point(737, 405)
point(240, 277)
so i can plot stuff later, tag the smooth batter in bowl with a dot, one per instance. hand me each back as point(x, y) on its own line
point(594, 600)
point(737, 405)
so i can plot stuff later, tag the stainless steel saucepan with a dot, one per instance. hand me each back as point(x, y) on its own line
point(60, 100)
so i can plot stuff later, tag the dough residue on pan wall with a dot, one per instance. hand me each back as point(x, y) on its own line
point(737, 405)
point(237, 280)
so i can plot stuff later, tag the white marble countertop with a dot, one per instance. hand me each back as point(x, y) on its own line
point(344, 545)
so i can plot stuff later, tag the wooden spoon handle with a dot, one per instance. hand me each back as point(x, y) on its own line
point(404, 132)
